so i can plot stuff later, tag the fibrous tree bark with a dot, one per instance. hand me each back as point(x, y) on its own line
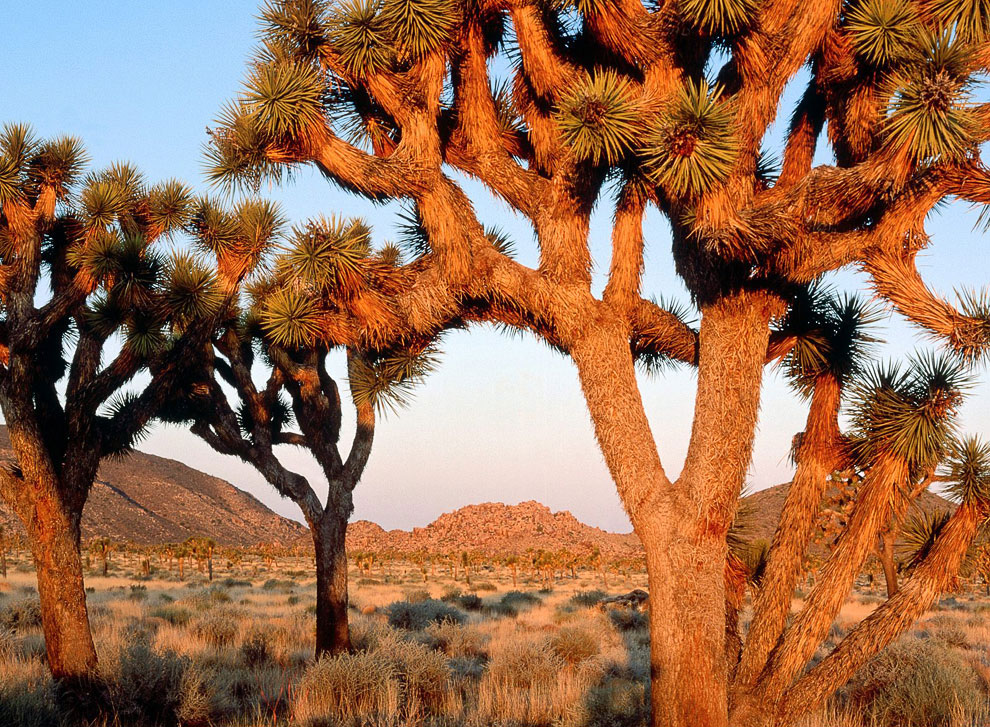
point(557, 107)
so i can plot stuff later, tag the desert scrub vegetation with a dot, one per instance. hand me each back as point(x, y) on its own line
point(185, 655)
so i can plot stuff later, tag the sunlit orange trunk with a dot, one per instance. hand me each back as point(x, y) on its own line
point(54, 541)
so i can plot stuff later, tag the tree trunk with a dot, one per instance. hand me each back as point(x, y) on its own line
point(887, 559)
point(332, 635)
point(64, 618)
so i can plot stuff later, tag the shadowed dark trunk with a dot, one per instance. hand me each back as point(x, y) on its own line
point(332, 635)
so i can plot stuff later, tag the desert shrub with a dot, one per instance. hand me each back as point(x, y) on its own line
point(275, 584)
point(617, 702)
point(627, 619)
point(235, 583)
point(470, 602)
point(425, 677)
point(138, 593)
point(520, 599)
point(916, 683)
point(22, 614)
point(256, 649)
point(499, 609)
point(399, 681)
point(451, 594)
point(587, 599)
point(27, 694)
point(293, 600)
point(418, 596)
point(147, 686)
point(360, 687)
point(522, 685)
point(175, 615)
point(573, 644)
point(217, 628)
point(457, 641)
point(484, 586)
point(416, 616)
point(368, 582)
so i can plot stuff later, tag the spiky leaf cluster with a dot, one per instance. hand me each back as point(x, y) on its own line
point(969, 19)
point(883, 31)
point(359, 35)
point(297, 25)
point(919, 534)
point(907, 413)
point(420, 27)
point(966, 470)
point(930, 113)
point(386, 379)
point(693, 149)
point(719, 17)
point(327, 254)
point(284, 97)
point(599, 117)
point(831, 337)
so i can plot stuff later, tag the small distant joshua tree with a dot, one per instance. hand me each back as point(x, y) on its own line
point(88, 301)
point(278, 328)
point(557, 107)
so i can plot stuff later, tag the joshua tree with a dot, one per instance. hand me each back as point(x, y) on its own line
point(102, 548)
point(559, 106)
point(81, 278)
point(273, 330)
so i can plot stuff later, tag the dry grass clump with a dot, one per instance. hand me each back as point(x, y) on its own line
point(916, 683)
point(458, 641)
point(574, 644)
point(27, 693)
point(417, 616)
point(217, 628)
point(151, 687)
point(24, 613)
point(522, 684)
point(398, 682)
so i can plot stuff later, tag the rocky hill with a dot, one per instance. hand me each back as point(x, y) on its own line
point(148, 499)
point(762, 509)
point(492, 528)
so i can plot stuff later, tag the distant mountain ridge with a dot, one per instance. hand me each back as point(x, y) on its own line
point(147, 499)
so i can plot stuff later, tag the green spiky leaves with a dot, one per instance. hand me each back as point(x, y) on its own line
point(910, 413)
point(883, 31)
point(370, 35)
point(298, 25)
point(284, 97)
point(694, 148)
point(719, 17)
point(191, 290)
point(930, 113)
point(290, 317)
point(420, 26)
point(386, 379)
point(966, 470)
point(970, 19)
point(831, 337)
point(359, 35)
point(599, 118)
point(328, 254)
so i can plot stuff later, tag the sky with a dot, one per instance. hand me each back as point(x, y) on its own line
point(503, 418)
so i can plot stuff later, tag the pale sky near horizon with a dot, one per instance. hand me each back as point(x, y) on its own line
point(503, 418)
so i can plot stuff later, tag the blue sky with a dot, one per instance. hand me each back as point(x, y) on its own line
point(503, 418)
